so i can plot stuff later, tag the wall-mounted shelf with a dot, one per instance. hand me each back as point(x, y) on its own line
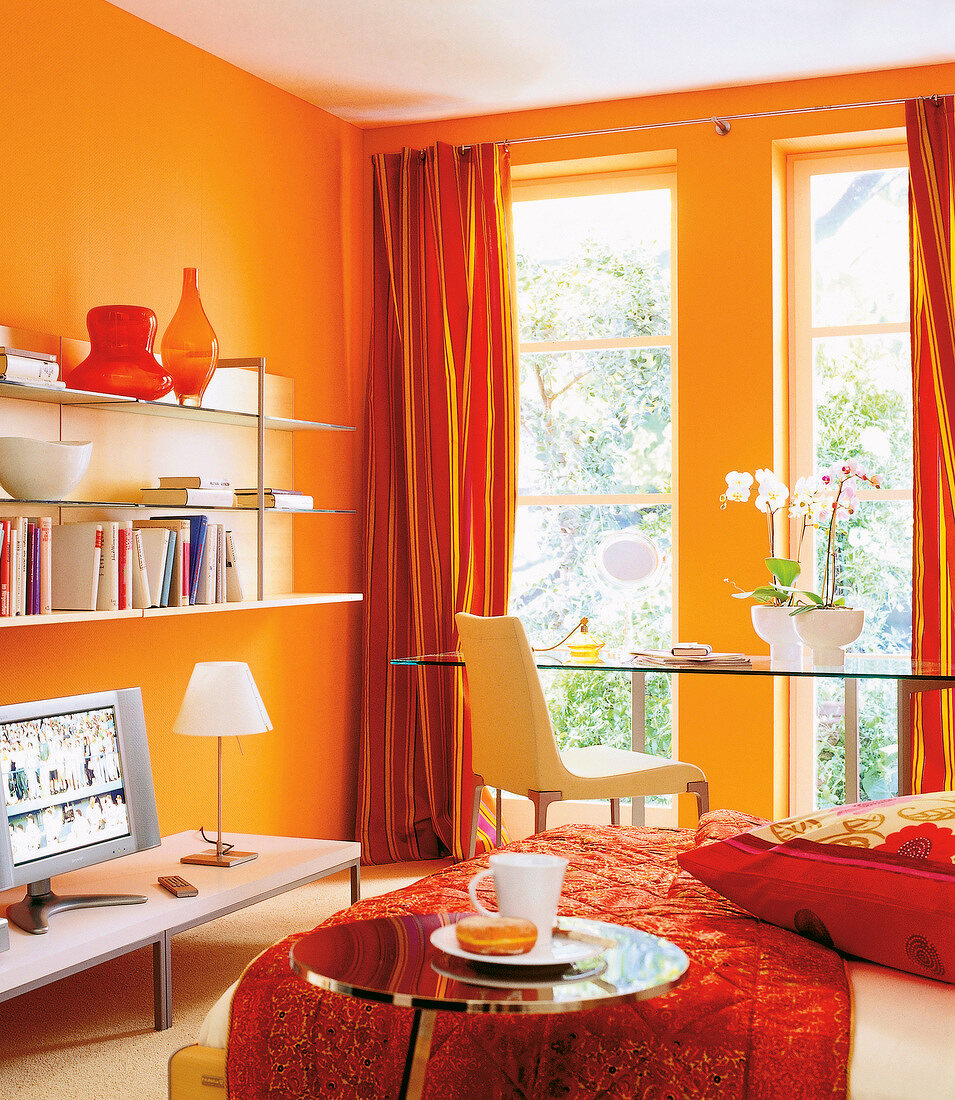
point(176, 507)
point(257, 421)
point(294, 599)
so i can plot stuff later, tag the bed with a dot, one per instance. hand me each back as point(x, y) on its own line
point(762, 1012)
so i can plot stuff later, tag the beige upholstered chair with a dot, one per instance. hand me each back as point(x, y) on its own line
point(512, 739)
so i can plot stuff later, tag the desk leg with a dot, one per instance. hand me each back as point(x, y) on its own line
point(638, 734)
point(851, 731)
point(162, 982)
point(419, 1049)
point(355, 883)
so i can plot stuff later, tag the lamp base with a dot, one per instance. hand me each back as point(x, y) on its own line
point(213, 859)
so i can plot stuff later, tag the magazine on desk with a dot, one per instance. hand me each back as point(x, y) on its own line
point(713, 659)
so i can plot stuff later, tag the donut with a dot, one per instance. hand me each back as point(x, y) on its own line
point(496, 935)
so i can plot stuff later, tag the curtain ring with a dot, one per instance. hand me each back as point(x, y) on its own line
point(722, 126)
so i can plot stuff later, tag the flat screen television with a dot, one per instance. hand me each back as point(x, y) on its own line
point(76, 789)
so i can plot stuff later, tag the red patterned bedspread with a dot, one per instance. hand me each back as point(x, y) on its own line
point(761, 1012)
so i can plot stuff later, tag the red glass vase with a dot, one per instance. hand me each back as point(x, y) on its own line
point(121, 357)
point(189, 348)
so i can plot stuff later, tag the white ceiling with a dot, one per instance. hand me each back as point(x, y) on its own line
point(373, 62)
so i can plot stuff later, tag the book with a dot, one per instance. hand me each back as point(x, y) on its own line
point(108, 596)
point(42, 356)
point(179, 576)
point(206, 579)
point(691, 649)
point(194, 481)
point(169, 568)
point(142, 596)
point(280, 499)
point(195, 498)
point(4, 568)
point(125, 564)
point(22, 566)
point(220, 564)
point(32, 382)
point(233, 582)
point(155, 545)
point(665, 658)
point(14, 570)
point(25, 366)
point(46, 566)
point(198, 534)
point(75, 552)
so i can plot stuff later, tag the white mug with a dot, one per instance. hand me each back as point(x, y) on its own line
point(527, 885)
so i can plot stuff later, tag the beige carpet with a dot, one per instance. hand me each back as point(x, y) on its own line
point(91, 1035)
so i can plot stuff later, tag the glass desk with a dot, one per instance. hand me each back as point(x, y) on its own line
point(392, 960)
point(911, 677)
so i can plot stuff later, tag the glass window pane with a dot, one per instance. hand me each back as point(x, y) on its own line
point(878, 741)
point(595, 422)
point(594, 266)
point(860, 247)
point(862, 389)
point(555, 582)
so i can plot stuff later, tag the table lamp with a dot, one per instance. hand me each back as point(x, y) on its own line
point(221, 700)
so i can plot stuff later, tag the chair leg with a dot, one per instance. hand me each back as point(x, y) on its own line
point(476, 791)
point(541, 800)
point(702, 791)
point(614, 811)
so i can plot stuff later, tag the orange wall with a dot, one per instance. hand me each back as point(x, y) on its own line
point(126, 155)
point(729, 355)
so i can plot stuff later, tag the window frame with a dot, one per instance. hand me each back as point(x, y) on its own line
point(801, 167)
point(602, 183)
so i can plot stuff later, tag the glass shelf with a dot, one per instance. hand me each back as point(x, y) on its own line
point(23, 391)
point(294, 599)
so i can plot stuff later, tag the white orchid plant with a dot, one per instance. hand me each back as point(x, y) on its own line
point(820, 502)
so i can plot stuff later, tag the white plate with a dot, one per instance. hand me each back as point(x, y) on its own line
point(562, 952)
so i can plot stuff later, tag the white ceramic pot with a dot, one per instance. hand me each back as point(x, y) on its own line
point(775, 625)
point(827, 629)
point(39, 469)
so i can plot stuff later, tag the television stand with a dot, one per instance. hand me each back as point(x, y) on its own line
point(32, 912)
point(85, 937)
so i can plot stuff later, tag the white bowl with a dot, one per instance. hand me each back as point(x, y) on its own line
point(37, 469)
point(827, 629)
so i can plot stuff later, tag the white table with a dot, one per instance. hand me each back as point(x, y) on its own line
point(80, 938)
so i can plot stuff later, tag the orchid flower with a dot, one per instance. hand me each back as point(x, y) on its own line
point(737, 488)
point(821, 502)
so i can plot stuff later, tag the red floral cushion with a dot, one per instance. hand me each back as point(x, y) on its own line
point(875, 880)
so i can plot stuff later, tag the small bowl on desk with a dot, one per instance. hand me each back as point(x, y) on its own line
point(41, 469)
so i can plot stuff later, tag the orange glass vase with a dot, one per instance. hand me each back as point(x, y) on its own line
point(121, 356)
point(189, 347)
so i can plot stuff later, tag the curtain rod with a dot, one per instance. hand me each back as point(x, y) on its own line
point(721, 122)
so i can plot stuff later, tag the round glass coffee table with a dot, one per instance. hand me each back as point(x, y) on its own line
point(393, 960)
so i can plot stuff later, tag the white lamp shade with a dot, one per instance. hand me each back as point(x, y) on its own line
point(221, 700)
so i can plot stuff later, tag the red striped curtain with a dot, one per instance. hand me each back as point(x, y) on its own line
point(441, 489)
point(930, 129)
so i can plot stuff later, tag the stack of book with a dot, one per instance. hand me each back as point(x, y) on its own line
point(189, 492)
point(33, 368)
point(289, 500)
point(704, 656)
point(115, 565)
point(25, 566)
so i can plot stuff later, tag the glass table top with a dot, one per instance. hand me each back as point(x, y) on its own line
point(861, 666)
point(392, 960)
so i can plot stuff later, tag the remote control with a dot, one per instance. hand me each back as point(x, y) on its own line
point(178, 886)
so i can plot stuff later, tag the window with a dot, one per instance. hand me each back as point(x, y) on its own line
point(852, 398)
point(597, 354)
